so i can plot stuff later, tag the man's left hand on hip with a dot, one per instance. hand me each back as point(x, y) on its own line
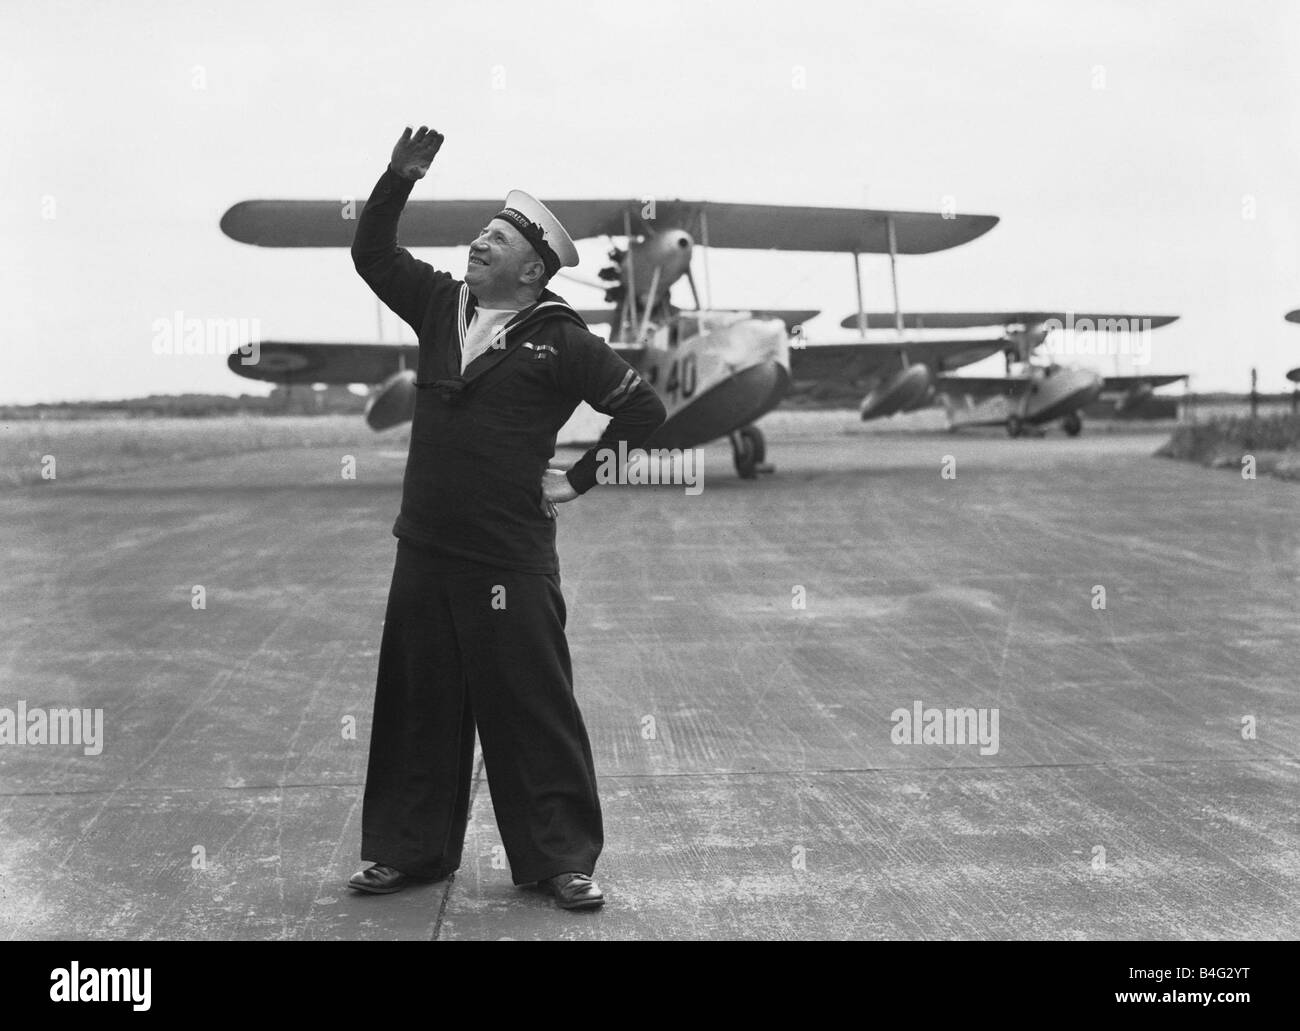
point(556, 490)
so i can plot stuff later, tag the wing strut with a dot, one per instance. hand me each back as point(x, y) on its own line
point(649, 306)
point(704, 242)
point(893, 276)
point(629, 299)
point(857, 281)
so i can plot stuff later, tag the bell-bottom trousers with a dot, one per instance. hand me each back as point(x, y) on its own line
point(466, 645)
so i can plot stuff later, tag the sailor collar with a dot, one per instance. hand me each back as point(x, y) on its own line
point(547, 307)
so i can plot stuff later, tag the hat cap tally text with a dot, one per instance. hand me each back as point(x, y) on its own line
point(541, 229)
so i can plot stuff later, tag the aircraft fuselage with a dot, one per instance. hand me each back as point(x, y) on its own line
point(1058, 393)
point(715, 372)
point(1054, 393)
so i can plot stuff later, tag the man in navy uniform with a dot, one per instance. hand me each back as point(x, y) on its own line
point(474, 627)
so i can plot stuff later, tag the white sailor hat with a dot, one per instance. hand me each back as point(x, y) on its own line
point(541, 229)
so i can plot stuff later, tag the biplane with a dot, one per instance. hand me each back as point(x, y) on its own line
point(1294, 374)
point(1035, 394)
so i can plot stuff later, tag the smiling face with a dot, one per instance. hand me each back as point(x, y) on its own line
point(501, 262)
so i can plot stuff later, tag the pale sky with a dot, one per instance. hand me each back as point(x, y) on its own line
point(1143, 157)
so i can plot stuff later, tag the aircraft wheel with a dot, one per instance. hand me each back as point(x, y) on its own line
point(1072, 424)
point(743, 451)
point(1014, 426)
point(760, 443)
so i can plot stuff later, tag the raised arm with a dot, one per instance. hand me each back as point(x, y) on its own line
point(401, 281)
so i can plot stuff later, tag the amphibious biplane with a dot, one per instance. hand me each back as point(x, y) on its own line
point(1037, 394)
point(1294, 374)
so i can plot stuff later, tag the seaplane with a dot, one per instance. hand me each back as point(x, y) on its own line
point(717, 370)
point(1031, 394)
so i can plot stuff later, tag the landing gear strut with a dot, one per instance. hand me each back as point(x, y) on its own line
point(1072, 424)
point(749, 451)
point(1014, 426)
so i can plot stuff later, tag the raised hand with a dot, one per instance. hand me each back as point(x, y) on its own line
point(415, 153)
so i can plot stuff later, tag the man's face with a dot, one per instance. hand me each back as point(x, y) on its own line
point(498, 259)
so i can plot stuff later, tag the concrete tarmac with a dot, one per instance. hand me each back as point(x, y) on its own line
point(1144, 782)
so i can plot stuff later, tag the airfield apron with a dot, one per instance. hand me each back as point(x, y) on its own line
point(468, 645)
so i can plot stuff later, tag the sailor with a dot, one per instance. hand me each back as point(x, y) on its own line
point(474, 627)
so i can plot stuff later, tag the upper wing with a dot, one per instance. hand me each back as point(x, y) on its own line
point(972, 319)
point(284, 362)
point(454, 223)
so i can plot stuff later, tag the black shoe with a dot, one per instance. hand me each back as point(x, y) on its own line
point(574, 891)
point(384, 880)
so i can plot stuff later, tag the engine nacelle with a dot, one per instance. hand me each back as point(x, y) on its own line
point(1133, 399)
point(668, 251)
point(924, 401)
point(903, 391)
point(392, 402)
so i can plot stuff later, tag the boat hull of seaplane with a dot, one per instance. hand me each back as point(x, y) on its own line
point(909, 389)
point(1062, 393)
point(737, 374)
